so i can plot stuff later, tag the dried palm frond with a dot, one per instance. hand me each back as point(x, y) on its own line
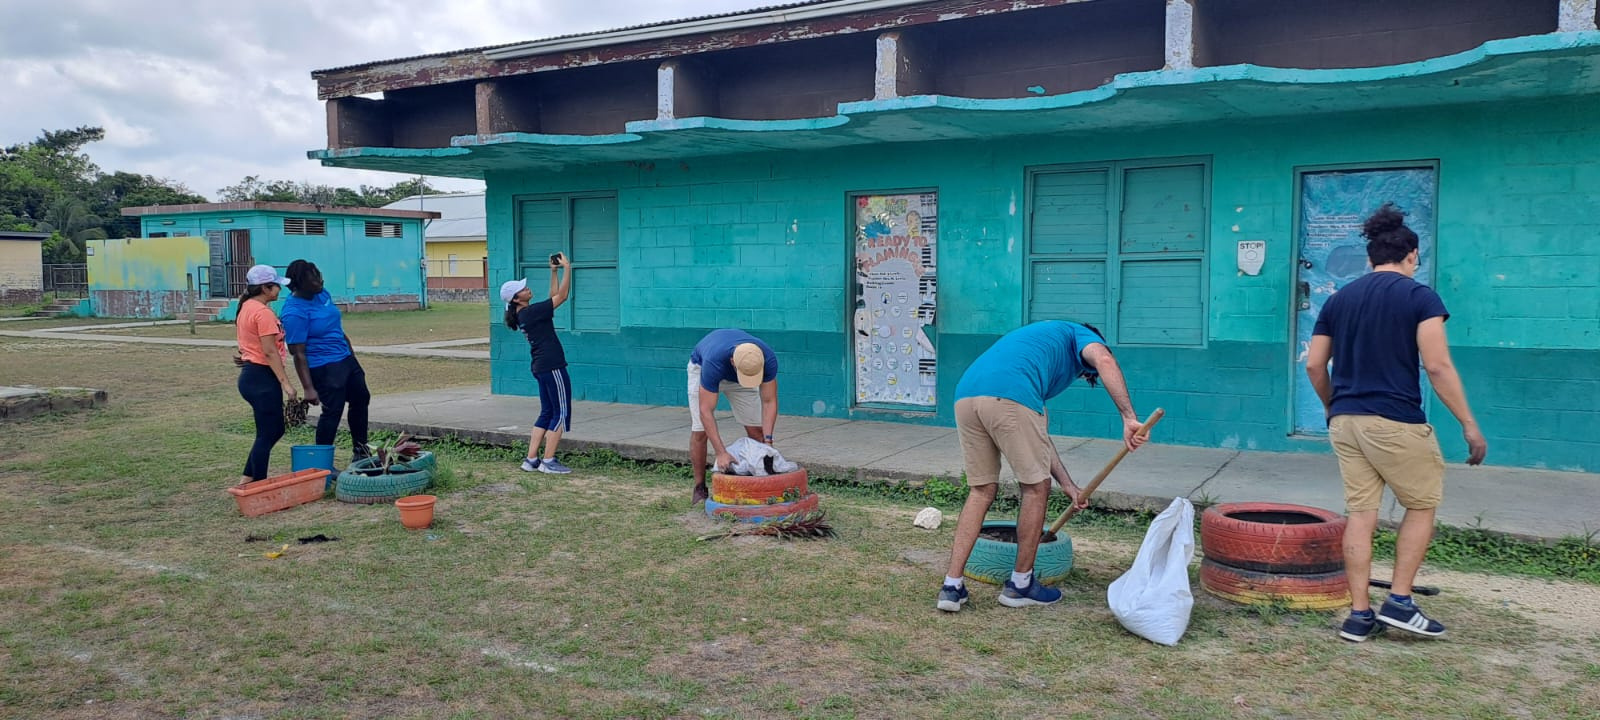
point(800, 526)
point(294, 412)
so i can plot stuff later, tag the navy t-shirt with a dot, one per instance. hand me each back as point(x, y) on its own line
point(714, 355)
point(538, 325)
point(1373, 326)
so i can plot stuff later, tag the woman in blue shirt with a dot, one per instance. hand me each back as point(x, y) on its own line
point(323, 357)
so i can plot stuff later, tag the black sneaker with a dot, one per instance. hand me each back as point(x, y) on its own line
point(1360, 629)
point(951, 598)
point(1409, 617)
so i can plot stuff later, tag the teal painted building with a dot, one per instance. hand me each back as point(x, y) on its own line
point(370, 258)
point(880, 189)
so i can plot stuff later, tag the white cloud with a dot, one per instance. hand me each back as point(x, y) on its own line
point(205, 93)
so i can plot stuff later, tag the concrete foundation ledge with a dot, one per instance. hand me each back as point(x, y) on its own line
point(21, 403)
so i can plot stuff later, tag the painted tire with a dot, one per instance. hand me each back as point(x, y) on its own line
point(425, 461)
point(762, 513)
point(992, 561)
point(757, 490)
point(1310, 591)
point(1273, 537)
point(353, 487)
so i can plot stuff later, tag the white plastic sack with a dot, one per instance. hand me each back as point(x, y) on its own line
point(1152, 599)
point(750, 458)
point(929, 518)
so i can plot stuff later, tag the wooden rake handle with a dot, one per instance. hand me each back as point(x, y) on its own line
point(1144, 431)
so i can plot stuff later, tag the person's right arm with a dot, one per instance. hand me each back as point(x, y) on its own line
point(708, 420)
point(1435, 350)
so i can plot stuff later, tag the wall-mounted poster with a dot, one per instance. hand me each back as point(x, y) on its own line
point(896, 296)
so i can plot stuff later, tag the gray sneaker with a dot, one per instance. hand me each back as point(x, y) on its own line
point(554, 467)
point(530, 465)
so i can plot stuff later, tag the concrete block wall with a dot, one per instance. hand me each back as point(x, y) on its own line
point(763, 241)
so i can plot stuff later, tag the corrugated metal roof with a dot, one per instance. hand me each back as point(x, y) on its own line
point(663, 23)
point(461, 215)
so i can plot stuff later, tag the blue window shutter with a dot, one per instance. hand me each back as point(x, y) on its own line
point(594, 230)
point(1163, 209)
point(596, 296)
point(1161, 302)
point(1069, 213)
point(1068, 290)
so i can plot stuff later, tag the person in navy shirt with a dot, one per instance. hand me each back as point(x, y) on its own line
point(1000, 411)
point(737, 364)
point(537, 322)
point(323, 357)
point(1373, 331)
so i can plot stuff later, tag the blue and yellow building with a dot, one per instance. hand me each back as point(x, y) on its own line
point(880, 188)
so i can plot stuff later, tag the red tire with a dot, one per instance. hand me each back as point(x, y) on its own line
point(1313, 591)
point(762, 513)
point(1273, 537)
point(758, 490)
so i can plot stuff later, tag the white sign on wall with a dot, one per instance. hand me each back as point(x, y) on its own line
point(1252, 254)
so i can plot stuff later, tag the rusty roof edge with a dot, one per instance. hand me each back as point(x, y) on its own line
point(267, 206)
point(706, 25)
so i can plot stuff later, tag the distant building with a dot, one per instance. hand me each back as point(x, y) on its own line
point(21, 266)
point(456, 244)
point(370, 258)
point(880, 188)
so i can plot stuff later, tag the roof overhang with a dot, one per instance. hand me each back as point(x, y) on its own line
point(283, 207)
point(1516, 69)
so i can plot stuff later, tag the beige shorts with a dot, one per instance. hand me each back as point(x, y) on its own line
point(1376, 451)
point(746, 402)
point(990, 427)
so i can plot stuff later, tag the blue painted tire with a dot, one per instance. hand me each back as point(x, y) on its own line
point(354, 487)
point(992, 561)
point(761, 513)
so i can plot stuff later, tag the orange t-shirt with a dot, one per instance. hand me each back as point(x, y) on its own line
point(256, 319)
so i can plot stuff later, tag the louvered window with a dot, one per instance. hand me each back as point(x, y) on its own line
point(383, 229)
point(305, 226)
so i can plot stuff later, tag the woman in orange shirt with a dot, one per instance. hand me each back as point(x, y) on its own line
point(262, 379)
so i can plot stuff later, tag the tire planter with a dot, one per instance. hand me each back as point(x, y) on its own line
point(1307, 591)
point(425, 461)
point(762, 513)
point(1273, 537)
point(992, 561)
point(757, 490)
point(355, 487)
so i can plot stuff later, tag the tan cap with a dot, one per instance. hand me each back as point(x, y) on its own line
point(750, 363)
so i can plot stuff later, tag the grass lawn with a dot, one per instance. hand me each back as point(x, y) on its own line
point(132, 589)
point(441, 321)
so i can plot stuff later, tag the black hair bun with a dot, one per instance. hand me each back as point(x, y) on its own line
point(1386, 220)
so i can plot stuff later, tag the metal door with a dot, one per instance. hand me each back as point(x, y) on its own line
point(1331, 252)
point(239, 261)
point(217, 285)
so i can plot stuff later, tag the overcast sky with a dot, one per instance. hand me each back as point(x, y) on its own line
point(205, 92)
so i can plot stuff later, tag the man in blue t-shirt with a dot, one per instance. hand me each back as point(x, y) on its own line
point(1000, 411)
point(734, 363)
point(1373, 331)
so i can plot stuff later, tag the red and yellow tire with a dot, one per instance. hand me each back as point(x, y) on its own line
point(1273, 537)
point(757, 490)
point(762, 513)
point(1312, 591)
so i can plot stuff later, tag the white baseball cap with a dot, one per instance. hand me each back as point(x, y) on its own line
point(263, 274)
point(510, 288)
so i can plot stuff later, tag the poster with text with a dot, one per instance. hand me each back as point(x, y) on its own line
point(896, 298)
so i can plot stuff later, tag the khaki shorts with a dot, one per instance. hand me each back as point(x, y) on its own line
point(1376, 451)
point(746, 402)
point(990, 427)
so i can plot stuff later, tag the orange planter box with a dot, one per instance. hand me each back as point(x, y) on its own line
point(282, 491)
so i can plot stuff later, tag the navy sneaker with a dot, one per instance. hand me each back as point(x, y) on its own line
point(553, 466)
point(951, 597)
point(1360, 629)
point(1409, 617)
point(530, 465)
point(1034, 594)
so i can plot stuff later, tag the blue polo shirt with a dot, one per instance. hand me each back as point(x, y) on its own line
point(316, 324)
point(1029, 365)
point(714, 355)
point(1372, 325)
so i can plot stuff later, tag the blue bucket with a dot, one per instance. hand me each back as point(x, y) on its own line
point(307, 457)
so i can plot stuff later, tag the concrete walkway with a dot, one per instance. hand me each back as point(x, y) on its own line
point(1529, 503)
point(400, 350)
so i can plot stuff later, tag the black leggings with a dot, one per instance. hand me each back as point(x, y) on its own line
point(338, 383)
point(260, 387)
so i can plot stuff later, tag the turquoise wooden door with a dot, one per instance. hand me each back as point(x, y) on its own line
point(1333, 204)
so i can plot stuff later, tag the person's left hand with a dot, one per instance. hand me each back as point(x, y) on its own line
point(1130, 434)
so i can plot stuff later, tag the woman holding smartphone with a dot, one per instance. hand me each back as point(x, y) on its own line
point(537, 323)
